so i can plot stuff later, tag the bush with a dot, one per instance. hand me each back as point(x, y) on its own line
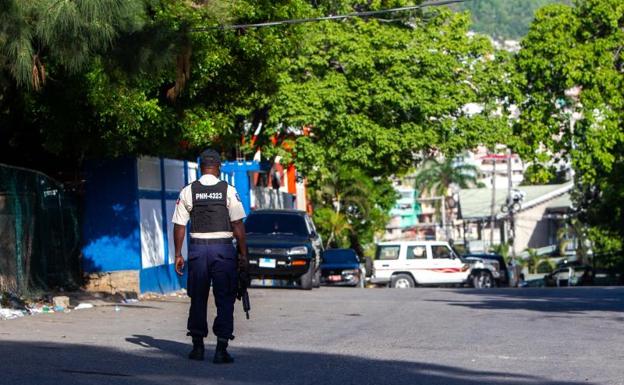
point(545, 266)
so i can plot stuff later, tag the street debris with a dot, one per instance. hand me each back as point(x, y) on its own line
point(157, 296)
point(6, 314)
point(61, 301)
point(13, 306)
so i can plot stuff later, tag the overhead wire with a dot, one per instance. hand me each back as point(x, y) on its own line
point(436, 3)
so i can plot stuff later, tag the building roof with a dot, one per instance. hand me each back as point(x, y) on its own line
point(476, 203)
point(563, 201)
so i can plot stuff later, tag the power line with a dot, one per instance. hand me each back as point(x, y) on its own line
point(324, 18)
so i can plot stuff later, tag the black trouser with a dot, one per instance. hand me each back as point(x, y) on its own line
point(217, 264)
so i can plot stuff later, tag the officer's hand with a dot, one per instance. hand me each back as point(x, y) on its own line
point(243, 263)
point(179, 264)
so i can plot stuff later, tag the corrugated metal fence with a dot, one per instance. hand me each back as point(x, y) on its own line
point(39, 232)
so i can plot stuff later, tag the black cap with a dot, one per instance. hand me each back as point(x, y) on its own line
point(210, 157)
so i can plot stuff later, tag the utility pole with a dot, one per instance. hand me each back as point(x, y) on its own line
point(444, 219)
point(493, 206)
point(512, 223)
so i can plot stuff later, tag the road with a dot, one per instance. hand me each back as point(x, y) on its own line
point(329, 336)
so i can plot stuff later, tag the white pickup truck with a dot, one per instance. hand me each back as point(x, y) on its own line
point(405, 264)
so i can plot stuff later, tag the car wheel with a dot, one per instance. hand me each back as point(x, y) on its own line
point(362, 282)
point(483, 280)
point(306, 280)
point(368, 267)
point(316, 279)
point(402, 281)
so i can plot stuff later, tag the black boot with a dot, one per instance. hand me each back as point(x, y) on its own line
point(198, 349)
point(221, 355)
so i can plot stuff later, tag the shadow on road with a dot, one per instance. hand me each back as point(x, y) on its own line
point(163, 362)
point(548, 300)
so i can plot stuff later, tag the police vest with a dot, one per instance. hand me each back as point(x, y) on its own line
point(210, 213)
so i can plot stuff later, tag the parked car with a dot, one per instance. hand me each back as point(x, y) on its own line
point(571, 275)
point(498, 261)
point(405, 264)
point(342, 267)
point(284, 244)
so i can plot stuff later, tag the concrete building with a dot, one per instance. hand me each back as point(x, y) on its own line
point(404, 214)
point(485, 162)
point(538, 219)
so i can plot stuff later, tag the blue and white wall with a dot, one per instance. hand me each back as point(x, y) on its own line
point(127, 223)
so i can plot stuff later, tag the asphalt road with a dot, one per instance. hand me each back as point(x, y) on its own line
point(336, 336)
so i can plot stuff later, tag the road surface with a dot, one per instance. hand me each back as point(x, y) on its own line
point(329, 336)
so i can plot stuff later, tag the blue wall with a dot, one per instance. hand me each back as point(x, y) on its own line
point(112, 218)
point(111, 229)
point(237, 174)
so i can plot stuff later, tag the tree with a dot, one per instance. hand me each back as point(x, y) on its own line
point(351, 206)
point(533, 260)
point(572, 102)
point(66, 33)
point(373, 94)
point(504, 19)
point(435, 176)
point(376, 94)
point(333, 225)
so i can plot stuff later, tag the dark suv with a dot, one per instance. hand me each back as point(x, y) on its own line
point(284, 244)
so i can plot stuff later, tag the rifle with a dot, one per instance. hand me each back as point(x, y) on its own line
point(242, 294)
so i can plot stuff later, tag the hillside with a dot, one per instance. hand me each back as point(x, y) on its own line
point(504, 19)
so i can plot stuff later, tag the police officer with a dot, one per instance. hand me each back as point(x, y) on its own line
point(216, 215)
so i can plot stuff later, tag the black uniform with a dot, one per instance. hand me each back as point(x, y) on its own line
point(211, 261)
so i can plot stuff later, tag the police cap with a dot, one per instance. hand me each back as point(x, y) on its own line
point(210, 157)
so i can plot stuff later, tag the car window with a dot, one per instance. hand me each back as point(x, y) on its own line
point(340, 256)
point(310, 225)
point(270, 223)
point(388, 252)
point(441, 252)
point(417, 252)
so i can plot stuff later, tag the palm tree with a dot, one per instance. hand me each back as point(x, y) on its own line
point(338, 226)
point(345, 191)
point(533, 260)
point(436, 177)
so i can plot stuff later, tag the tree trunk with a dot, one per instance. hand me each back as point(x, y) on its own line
point(355, 244)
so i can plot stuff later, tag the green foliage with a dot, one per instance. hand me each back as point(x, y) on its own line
point(376, 93)
point(131, 77)
point(579, 46)
point(435, 176)
point(537, 264)
point(537, 174)
point(504, 19)
point(608, 249)
point(544, 266)
point(351, 206)
point(66, 33)
point(333, 226)
point(501, 249)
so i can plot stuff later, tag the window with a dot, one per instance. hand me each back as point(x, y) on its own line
point(276, 224)
point(386, 253)
point(340, 256)
point(416, 252)
point(310, 224)
point(441, 252)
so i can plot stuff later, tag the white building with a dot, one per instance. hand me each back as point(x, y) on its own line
point(486, 163)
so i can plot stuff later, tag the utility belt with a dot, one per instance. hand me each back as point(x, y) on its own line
point(211, 241)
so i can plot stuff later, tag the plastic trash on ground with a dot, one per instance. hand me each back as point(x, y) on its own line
point(83, 306)
point(6, 314)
